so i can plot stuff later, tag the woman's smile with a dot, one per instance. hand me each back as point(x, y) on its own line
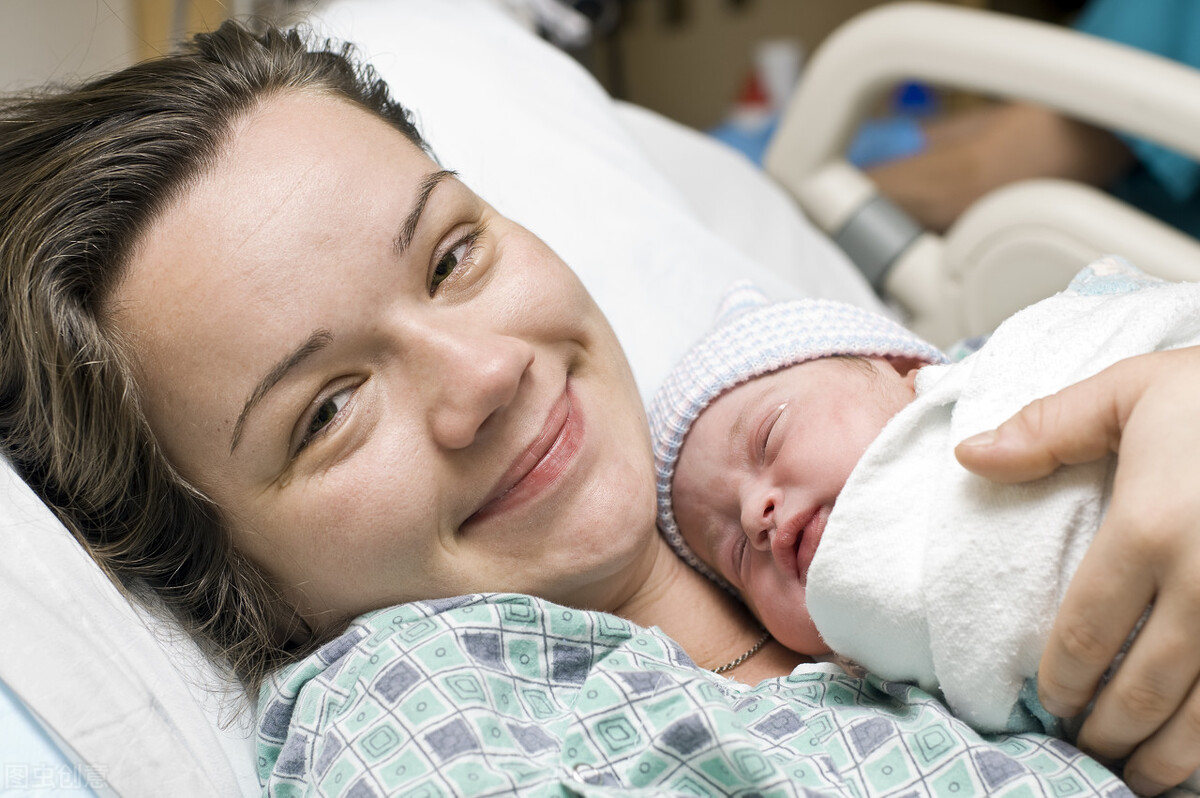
point(541, 466)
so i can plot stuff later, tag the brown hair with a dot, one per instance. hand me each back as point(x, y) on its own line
point(83, 173)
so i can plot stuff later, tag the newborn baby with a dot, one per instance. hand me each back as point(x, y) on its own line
point(805, 461)
point(813, 383)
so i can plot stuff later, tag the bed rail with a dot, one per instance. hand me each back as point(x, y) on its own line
point(1107, 84)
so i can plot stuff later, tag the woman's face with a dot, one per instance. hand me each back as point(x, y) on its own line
point(391, 391)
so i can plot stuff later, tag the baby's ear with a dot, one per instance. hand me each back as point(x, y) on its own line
point(905, 365)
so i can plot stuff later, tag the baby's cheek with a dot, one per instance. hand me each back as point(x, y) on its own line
point(794, 629)
point(782, 613)
point(691, 519)
point(694, 541)
point(721, 568)
point(753, 598)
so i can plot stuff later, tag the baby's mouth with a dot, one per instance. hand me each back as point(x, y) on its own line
point(806, 547)
point(797, 540)
point(788, 538)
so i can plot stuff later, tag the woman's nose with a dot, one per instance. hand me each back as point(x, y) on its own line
point(758, 516)
point(476, 376)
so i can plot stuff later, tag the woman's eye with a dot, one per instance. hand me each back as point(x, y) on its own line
point(447, 264)
point(459, 255)
point(325, 413)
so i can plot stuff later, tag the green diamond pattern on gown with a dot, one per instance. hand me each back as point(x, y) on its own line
point(500, 694)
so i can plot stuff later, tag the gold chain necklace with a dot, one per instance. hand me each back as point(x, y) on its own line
point(754, 649)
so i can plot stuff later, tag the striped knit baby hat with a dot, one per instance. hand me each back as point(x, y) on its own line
point(753, 337)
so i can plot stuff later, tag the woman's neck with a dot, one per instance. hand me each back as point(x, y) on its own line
point(713, 627)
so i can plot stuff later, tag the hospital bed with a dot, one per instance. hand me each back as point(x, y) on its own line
point(658, 220)
point(1019, 244)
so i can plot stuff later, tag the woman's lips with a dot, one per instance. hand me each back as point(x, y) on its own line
point(542, 463)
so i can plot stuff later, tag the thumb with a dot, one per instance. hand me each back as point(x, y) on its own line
point(1078, 424)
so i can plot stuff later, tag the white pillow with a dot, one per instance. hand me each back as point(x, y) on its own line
point(655, 218)
point(131, 695)
point(761, 220)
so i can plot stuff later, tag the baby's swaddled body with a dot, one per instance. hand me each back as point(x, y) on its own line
point(928, 573)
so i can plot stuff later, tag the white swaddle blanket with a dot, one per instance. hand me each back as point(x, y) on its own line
point(930, 574)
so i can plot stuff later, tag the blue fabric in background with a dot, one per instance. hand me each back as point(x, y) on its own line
point(1165, 183)
point(750, 141)
point(882, 140)
point(897, 135)
point(877, 140)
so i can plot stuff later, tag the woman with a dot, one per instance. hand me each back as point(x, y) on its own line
point(244, 304)
point(340, 274)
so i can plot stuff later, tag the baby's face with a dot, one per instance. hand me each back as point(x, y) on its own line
point(761, 468)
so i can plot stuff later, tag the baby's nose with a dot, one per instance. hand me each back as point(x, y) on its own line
point(758, 519)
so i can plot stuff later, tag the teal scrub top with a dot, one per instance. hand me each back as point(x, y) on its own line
point(1165, 183)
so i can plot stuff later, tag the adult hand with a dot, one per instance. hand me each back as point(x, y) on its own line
point(972, 153)
point(1147, 410)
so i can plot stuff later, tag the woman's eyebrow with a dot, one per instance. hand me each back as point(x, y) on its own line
point(316, 341)
point(409, 228)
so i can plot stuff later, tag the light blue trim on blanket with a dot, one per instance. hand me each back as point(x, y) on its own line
point(501, 694)
point(1109, 276)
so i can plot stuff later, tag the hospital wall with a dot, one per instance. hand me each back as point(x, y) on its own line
point(688, 59)
point(57, 41)
point(683, 58)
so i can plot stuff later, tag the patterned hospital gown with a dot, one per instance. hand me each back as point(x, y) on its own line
point(500, 694)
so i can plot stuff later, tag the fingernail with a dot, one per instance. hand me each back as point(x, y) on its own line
point(982, 439)
point(1143, 786)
